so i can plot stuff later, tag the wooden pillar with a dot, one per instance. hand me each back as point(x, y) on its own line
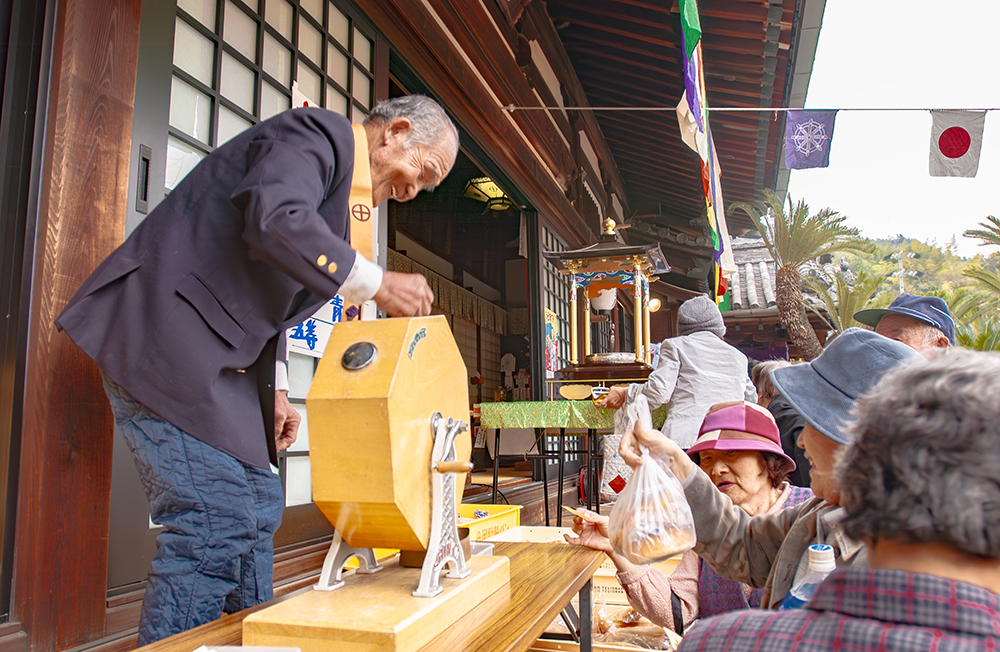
point(648, 355)
point(574, 316)
point(637, 312)
point(61, 541)
point(586, 325)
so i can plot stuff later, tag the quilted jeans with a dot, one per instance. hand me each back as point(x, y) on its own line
point(216, 553)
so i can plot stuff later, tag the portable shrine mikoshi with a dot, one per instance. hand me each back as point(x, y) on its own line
point(602, 270)
point(389, 452)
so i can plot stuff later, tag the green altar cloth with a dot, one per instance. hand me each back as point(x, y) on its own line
point(553, 414)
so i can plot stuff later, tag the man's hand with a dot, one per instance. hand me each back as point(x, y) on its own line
point(659, 446)
point(286, 421)
point(404, 295)
point(615, 398)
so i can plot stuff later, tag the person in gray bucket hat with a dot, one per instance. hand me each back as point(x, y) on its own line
point(770, 551)
point(696, 370)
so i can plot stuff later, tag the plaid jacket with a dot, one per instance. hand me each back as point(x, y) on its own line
point(859, 609)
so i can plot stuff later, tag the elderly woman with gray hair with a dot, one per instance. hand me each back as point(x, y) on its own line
point(921, 486)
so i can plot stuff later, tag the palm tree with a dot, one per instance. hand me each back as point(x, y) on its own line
point(981, 335)
point(793, 238)
point(986, 281)
point(988, 284)
point(842, 300)
point(989, 234)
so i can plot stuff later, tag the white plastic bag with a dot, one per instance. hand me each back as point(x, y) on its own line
point(651, 519)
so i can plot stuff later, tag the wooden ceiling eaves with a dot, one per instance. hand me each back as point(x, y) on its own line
point(552, 48)
point(422, 40)
point(619, 17)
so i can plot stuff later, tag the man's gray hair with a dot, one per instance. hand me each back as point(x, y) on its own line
point(931, 335)
point(428, 121)
point(925, 465)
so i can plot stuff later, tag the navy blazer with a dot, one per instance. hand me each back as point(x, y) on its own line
point(186, 313)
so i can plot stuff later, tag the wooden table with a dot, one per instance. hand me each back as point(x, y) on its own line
point(543, 579)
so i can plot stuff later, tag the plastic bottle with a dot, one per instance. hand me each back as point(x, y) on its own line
point(821, 564)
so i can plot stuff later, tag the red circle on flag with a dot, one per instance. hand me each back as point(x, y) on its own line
point(954, 142)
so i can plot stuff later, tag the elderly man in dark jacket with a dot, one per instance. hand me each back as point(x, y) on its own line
point(185, 318)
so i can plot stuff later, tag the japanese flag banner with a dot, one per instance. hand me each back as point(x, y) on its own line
point(956, 139)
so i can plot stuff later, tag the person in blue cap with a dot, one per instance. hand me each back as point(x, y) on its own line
point(917, 321)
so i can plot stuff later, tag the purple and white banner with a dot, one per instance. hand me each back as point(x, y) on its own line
point(807, 139)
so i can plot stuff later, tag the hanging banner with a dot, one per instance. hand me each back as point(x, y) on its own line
point(956, 139)
point(808, 135)
point(551, 343)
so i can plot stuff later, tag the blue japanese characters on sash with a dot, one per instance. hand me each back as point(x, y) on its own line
point(310, 337)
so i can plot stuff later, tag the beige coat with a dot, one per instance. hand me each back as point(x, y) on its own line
point(766, 550)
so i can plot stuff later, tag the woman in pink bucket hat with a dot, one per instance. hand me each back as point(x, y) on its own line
point(738, 446)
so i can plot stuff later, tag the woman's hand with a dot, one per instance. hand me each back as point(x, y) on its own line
point(590, 534)
point(659, 447)
point(615, 398)
point(594, 535)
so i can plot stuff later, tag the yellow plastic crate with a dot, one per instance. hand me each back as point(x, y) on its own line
point(380, 554)
point(501, 518)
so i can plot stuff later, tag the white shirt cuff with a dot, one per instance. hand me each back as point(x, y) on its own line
point(280, 375)
point(363, 281)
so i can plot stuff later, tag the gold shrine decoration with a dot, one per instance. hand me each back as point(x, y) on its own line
point(611, 264)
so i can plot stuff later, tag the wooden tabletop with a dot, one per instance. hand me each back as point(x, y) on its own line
point(543, 579)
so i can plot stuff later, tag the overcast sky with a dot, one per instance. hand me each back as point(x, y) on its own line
point(904, 54)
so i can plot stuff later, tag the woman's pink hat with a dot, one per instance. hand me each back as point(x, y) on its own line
point(740, 427)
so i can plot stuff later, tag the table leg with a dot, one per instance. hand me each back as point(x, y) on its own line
point(592, 496)
point(586, 619)
point(559, 489)
point(496, 464)
point(540, 438)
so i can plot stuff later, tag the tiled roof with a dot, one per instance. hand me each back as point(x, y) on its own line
point(752, 286)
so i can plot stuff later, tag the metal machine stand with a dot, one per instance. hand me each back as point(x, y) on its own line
point(337, 556)
point(444, 547)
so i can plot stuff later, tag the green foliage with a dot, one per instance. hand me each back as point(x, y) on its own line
point(988, 283)
point(844, 301)
point(981, 335)
point(796, 236)
point(989, 234)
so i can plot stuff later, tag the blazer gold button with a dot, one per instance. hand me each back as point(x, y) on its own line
point(332, 267)
point(321, 260)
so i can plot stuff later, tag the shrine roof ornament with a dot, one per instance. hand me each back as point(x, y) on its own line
point(609, 255)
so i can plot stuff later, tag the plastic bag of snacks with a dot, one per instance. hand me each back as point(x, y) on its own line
point(651, 519)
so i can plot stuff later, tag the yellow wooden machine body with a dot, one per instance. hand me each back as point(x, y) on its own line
point(370, 432)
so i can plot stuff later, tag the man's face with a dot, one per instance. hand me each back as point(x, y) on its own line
point(908, 330)
point(400, 173)
point(820, 451)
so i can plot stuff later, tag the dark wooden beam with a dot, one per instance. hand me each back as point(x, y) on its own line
point(61, 543)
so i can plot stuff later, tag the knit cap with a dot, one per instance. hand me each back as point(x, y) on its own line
point(700, 314)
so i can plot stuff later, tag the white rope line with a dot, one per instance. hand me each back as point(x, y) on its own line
point(711, 109)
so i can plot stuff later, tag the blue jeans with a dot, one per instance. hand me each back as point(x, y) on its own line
point(219, 514)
